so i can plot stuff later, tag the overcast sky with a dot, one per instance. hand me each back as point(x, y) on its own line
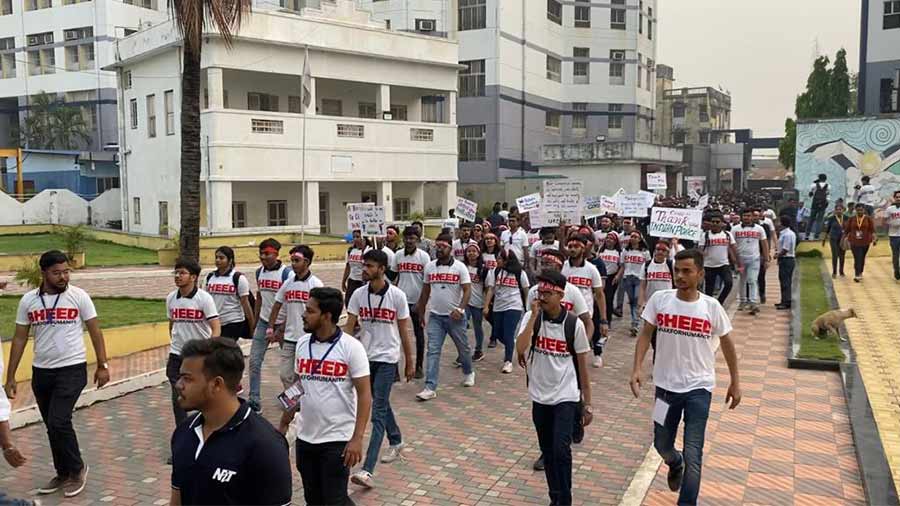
point(760, 50)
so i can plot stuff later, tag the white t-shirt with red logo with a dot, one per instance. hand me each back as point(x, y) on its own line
point(269, 282)
point(58, 325)
point(490, 261)
point(572, 300)
point(611, 258)
point(715, 248)
point(446, 283)
point(293, 296)
point(633, 261)
point(586, 278)
point(507, 292)
point(658, 277)
point(379, 316)
point(190, 317)
point(410, 271)
point(227, 297)
point(892, 217)
point(539, 247)
point(551, 370)
point(747, 240)
point(687, 337)
point(328, 406)
point(355, 261)
point(459, 248)
point(476, 298)
point(516, 242)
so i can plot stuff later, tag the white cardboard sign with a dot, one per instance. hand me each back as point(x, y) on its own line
point(466, 209)
point(366, 217)
point(656, 180)
point(564, 196)
point(528, 203)
point(633, 204)
point(676, 222)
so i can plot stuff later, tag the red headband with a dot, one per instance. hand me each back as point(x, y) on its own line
point(473, 245)
point(269, 249)
point(551, 258)
point(442, 243)
point(544, 286)
point(298, 256)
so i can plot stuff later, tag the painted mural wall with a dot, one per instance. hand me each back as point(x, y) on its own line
point(846, 150)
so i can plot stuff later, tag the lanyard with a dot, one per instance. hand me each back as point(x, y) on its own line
point(381, 303)
point(859, 222)
point(49, 315)
point(316, 365)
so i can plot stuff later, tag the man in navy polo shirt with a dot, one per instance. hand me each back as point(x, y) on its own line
point(226, 454)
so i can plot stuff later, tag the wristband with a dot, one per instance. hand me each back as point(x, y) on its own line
point(604, 322)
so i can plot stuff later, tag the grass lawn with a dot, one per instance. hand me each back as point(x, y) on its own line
point(98, 253)
point(112, 311)
point(814, 302)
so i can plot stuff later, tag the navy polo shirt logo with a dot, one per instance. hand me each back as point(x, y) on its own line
point(223, 475)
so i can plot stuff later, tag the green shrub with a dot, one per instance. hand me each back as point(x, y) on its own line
point(74, 239)
point(30, 274)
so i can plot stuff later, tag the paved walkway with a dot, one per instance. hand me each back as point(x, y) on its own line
point(876, 340)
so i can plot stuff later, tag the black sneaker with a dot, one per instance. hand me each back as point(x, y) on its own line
point(618, 312)
point(492, 344)
point(539, 463)
point(674, 477)
point(478, 356)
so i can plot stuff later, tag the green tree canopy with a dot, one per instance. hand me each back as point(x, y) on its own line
point(51, 124)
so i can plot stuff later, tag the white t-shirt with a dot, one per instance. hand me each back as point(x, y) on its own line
point(674, 251)
point(633, 261)
point(507, 292)
point(715, 248)
point(600, 236)
point(585, 278)
point(611, 259)
point(747, 240)
point(551, 370)
point(57, 324)
point(539, 247)
point(446, 283)
point(5, 406)
point(379, 316)
point(410, 271)
point(490, 261)
point(459, 248)
point(269, 282)
point(515, 242)
point(355, 261)
point(476, 298)
point(572, 300)
point(687, 337)
point(227, 298)
point(658, 277)
point(892, 217)
point(293, 296)
point(390, 256)
point(190, 317)
point(328, 406)
point(866, 195)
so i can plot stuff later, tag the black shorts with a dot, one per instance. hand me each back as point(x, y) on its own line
point(236, 330)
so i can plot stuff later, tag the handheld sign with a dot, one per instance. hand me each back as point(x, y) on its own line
point(633, 204)
point(600, 205)
point(527, 203)
point(673, 222)
point(466, 209)
point(656, 180)
point(367, 218)
point(703, 202)
point(563, 196)
point(451, 223)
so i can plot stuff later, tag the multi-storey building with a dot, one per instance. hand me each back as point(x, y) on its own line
point(697, 115)
point(879, 57)
point(380, 125)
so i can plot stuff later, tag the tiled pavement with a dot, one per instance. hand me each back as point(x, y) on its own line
point(875, 339)
point(789, 441)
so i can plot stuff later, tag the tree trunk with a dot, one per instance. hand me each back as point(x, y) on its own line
point(190, 155)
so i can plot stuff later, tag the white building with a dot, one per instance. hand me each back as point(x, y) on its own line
point(381, 122)
point(879, 57)
point(60, 47)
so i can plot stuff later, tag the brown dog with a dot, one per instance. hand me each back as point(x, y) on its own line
point(831, 322)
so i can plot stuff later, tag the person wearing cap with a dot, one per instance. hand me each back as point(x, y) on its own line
point(559, 385)
point(227, 454)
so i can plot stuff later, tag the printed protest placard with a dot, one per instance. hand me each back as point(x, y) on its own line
point(600, 205)
point(633, 204)
point(694, 184)
point(656, 180)
point(565, 197)
point(366, 217)
point(542, 217)
point(703, 202)
point(528, 203)
point(672, 222)
point(451, 223)
point(466, 209)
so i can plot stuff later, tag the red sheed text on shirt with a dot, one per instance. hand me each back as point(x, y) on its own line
point(296, 296)
point(443, 277)
point(331, 368)
point(187, 313)
point(377, 313)
point(581, 282)
point(269, 284)
point(53, 314)
point(410, 267)
point(683, 322)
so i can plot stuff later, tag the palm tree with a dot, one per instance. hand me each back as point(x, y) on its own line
point(192, 17)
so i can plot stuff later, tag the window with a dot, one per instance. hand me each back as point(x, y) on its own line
point(678, 137)
point(401, 209)
point(582, 16)
point(678, 110)
point(650, 67)
point(579, 116)
point(295, 104)
point(146, 4)
point(332, 107)
point(206, 98)
point(641, 17)
point(151, 115)
point(650, 23)
point(398, 113)
point(238, 214)
point(357, 131)
point(615, 117)
point(704, 113)
point(169, 103)
point(581, 72)
point(433, 109)
point(617, 67)
point(891, 15)
point(887, 102)
point(6, 7)
point(132, 107)
point(554, 11)
point(128, 82)
point(368, 197)
point(266, 126)
point(41, 58)
point(163, 218)
point(137, 210)
point(106, 183)
point(33, 5)
point(472, 14)
point(554, 69)
point(86, 102)
point(421, 134)
point(551, 120)
point(704, 137)
point(367, 110)
point(293, 5)
point(472, 143)
point(617, 19)
point(262, 102)
point(471, 79)
point(7, 60)
point(277, 213)
point(639, 74)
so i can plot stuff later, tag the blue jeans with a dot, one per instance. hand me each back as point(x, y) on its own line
point(258, 349)
point(749, 291)
point(695, 405)
point(477, 314)
point(6, 500)
point(439, 326)
point(382, 377)
point(554, 425)
point(506, 322)
point(631, 285)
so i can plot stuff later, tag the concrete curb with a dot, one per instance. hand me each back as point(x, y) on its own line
point(796, 330)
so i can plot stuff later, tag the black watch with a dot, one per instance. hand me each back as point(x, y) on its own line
point(604, 322)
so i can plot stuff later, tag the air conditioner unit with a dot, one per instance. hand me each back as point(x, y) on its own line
point(71, 35)
point(33, 40)
point(425, 25)
point(48, 38)
point(618, 56)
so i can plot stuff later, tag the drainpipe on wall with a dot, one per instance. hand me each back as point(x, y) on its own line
point(123, 146)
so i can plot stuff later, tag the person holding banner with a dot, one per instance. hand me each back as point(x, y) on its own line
point(634, 256)
point(507, 288)
point(353, 268)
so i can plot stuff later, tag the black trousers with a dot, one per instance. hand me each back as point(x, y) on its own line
point(56, 391)
point(838, 255)
point(723, 273)
point(786, 278)
point(237, 330)
point(609, 293)
point(323, 473)
point(420, 336)
point(859, 258)
point(554, 425)
point(762, 282)
point(173, 367)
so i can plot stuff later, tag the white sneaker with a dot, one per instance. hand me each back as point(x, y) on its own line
point(598, 361)
point(363, 479)
point(426, 395)
point(394, 453)
point(507, 368)
point(469, 380)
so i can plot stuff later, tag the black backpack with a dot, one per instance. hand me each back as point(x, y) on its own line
point(235, 278)
point(819, 196)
